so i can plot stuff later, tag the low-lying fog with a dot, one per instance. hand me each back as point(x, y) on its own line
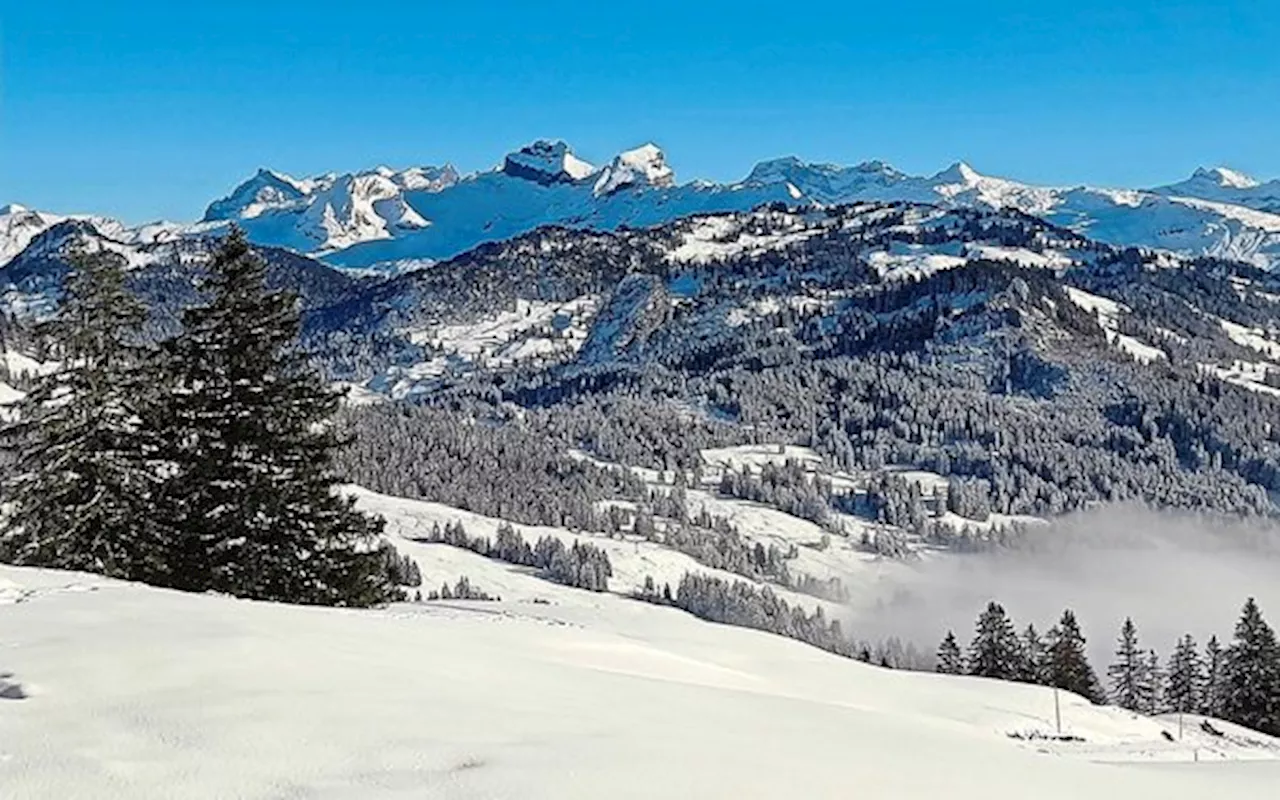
point(1173, 573)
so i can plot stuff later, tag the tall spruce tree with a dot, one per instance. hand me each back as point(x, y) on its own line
point(1186, 677)
point(250, 488)
point(1252, 674)
point(1034, 662)
point(950, 661)
point(1068, 665)
point(82, 489)
point(1126, 672)
point(1152, 687)
point(995, 651)
point(1215, 688)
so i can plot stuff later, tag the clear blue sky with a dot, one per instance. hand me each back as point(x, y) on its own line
point(149, 110)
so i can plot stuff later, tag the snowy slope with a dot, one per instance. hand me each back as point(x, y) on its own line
point(140, 693)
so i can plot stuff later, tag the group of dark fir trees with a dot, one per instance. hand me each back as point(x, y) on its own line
point(1239, 683)
point(201, 462)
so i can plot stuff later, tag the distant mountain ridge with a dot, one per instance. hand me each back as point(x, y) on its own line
point(392, 220)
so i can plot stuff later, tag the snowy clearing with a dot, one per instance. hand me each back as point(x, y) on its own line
point(1253, 338)
point(1108, 314)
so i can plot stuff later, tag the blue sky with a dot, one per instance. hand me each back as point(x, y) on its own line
point(149, 110)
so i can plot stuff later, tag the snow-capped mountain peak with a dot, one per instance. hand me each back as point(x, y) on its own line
point(1224, 177)
point(266, 189)
point(962, 184)
point(546, 162)
point(1216, 183)
point(644, 166)
point(426, 179)
point(388, 219)
point(19, 225)
point(959, 174)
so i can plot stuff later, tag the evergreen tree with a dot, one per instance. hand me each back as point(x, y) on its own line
point(1215, 688)
point(1252, 674)
point(1034, 661)
point(1126, 673)
point(995, 651)
point(950, 660)
point(1068, 666)
point(84, 479)
point(249, 489)
point(1186, 678)
point(1152, 686)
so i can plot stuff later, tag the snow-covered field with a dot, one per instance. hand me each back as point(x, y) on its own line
point(141, 693)
point(110, 689)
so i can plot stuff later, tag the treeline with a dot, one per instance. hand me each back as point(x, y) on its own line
point(582, 565)
point(462, 590)
point(746, 605)
point(760, 608)
point(1239, 683)
point(201, 462)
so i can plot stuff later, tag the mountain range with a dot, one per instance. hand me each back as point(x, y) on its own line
point(393, 220)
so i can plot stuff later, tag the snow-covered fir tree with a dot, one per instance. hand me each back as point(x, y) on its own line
point(950, 661)
point(1126, 673)
point(1152, 687)
point(1252, 673)
point(1186, 677)
point(1213, 699)
point(250, 491)
point(84, 481)
point(1034, 661)
point(995, 651)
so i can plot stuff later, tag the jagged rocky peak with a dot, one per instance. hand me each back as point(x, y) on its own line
point(426, 179)
point(958, 173)
point(265, 189)
point(546, 162)
point(644, 166)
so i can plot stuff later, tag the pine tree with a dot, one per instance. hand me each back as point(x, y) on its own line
point(1186, 678)
point(250, 487)
point(950, 660)
point(995, 651)
point(1068, 663)
point(84, 480)
point(1252, 674)
point(1215, 688)
point(1126, 673)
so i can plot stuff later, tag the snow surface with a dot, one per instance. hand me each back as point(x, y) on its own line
point(713, 238)
point(1254, 338)
point(142, 693)
point(1249, 375)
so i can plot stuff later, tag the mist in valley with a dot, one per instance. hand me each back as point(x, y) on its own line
point(1172, 573)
